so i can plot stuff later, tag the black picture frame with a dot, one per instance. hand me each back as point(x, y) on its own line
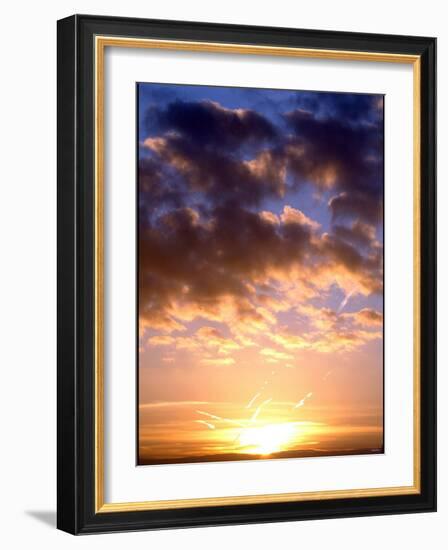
point(76, 511)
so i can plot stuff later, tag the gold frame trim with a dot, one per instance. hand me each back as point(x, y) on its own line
point(101, 42)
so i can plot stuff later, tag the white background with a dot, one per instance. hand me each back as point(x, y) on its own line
point(124, 482)
point(28, 273)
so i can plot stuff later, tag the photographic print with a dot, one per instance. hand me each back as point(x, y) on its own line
point(260, 273)
point(246, 289)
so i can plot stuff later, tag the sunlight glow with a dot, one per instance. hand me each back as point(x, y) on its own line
point(271, 438)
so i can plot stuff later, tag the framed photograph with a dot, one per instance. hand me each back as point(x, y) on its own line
point(246, 274)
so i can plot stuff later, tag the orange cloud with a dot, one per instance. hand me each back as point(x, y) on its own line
point(290, 341)
point(368, 317)
point(218, 362)
point(161, 340)
point(275, 354)
point(330, 331)
point(293, 215)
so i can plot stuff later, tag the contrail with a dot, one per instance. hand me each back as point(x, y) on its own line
point(345, 301)
point(257, 412)
point(220, 418)
point(208, 424)
point(302, 401)
point(210, 415)
point(252, 401)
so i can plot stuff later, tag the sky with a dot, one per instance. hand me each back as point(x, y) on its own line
point(260, 269)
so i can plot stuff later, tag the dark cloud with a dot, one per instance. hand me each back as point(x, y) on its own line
point(333, 153)
point(337, 154)
point(210, 125)
point(218, 175)
point(180, 256)
point(205, 177)
point(368, 267)
point(158, 187)
point(358, 234)
point(356, 205)
point(184, 258)
point(355, 109)
point(208, 146)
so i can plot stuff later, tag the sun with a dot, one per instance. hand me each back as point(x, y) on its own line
point(267, 439)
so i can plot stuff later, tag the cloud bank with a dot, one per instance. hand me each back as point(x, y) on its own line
point(254, 220)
